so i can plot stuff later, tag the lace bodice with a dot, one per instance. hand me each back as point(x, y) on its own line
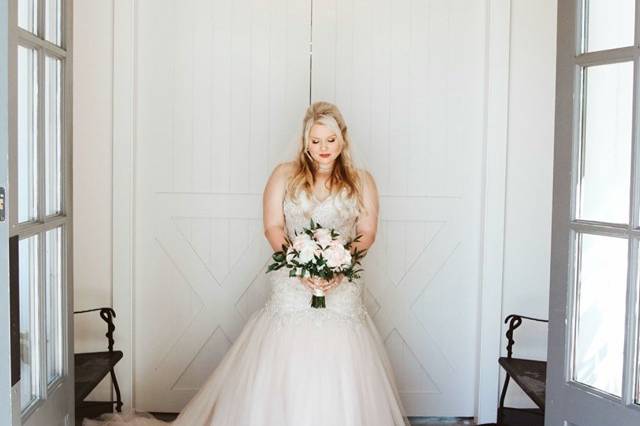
point(290, 300)
point(337, 211)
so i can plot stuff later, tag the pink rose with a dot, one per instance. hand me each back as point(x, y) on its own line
point(337, 256)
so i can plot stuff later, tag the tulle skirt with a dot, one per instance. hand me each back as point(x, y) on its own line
point(312, 370)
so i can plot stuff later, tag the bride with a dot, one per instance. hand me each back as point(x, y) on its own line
point(294, 364)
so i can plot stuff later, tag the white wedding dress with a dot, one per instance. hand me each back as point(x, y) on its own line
point(294, 365)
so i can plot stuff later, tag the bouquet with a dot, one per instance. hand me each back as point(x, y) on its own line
point(318, 252)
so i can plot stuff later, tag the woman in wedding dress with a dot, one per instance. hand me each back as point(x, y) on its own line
point(293, 364)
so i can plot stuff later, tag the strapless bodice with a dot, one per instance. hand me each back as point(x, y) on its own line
point(336, 211)
point(290, 300)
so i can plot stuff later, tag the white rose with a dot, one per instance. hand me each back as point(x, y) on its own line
point(322, 236)
point(307, 253)
point(346, 261)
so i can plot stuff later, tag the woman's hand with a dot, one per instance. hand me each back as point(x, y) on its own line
point(310, 282)
point(318, 283)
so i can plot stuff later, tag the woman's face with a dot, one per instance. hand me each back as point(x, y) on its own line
point(324, 145)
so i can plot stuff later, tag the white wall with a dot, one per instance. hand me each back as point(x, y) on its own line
point(529, 177)
point(529, 170)
point(93, 61)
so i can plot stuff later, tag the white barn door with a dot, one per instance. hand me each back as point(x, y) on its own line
point(221, 87)
point(409, 77)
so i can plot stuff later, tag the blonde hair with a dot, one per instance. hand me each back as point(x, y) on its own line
point(344, 175)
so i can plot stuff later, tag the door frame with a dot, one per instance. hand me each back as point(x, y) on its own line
point(7, 416)
point(123, 192)
point(498, 33)
point(494, 199)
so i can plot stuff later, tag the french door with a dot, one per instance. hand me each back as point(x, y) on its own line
point(40, 206)
point(593, 340)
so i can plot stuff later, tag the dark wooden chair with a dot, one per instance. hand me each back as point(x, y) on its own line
point(529, 374)
point(92, 367)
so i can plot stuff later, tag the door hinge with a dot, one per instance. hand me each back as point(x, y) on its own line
point(2, 203)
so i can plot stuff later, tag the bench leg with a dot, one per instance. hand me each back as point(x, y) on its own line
point(117, 389)
point(503, 394)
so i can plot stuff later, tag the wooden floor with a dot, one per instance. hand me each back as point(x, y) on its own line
point(422, 421)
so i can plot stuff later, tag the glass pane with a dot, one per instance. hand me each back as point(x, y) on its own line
point(28, 15)
point(600, 312)
point(637, 390)
point(54, 302)
point(27, 134)
point(605, 151)
point(637, 397)
point(609, 24)
point(52, 135)
point(28, 266)
point(52, 26)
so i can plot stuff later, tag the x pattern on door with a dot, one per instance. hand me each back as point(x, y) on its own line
point(394, 293)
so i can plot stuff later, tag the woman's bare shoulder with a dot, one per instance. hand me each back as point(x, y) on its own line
point(366, 178)
point(284, 170)
point(281, 175)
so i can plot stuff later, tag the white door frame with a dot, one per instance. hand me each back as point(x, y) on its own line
point(7, 415)
point(494, 204)
point(494, 198)
point(124, 137)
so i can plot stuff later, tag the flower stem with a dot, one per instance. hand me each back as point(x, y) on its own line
point(317, 301)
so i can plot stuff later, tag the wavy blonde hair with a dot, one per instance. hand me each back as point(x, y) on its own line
point(344, 174)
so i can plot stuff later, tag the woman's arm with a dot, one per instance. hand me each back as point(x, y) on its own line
point(272, 214)
point(367, 224)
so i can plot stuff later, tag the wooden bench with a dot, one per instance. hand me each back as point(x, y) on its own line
point(529, 374)
point(92, 367)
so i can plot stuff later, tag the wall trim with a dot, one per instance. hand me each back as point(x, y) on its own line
point(496, 121)
point(123, 181)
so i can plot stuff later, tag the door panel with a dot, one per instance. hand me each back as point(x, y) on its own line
point(213, 118)
point(39, 203)
point(592, 377)
point(409, 77)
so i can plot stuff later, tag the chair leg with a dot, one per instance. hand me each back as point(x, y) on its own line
point(117, 389)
